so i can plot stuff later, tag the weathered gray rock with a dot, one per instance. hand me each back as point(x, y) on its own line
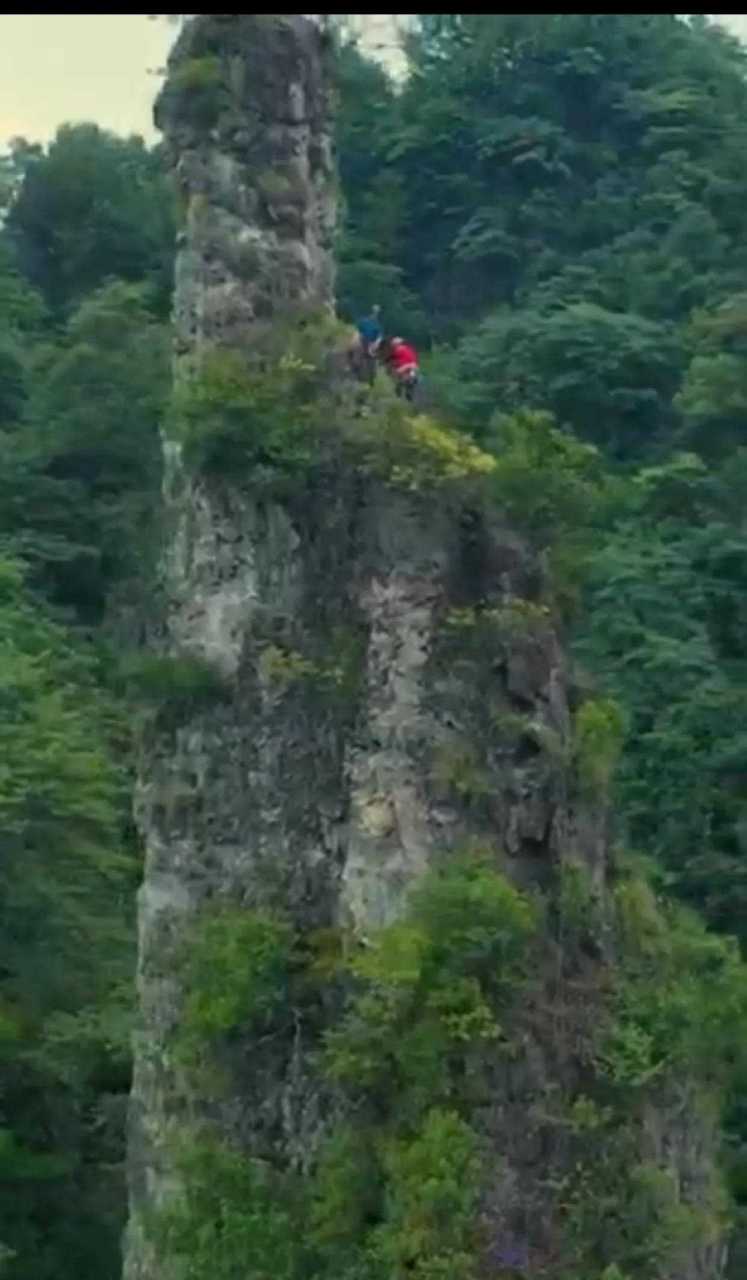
point(244, 117)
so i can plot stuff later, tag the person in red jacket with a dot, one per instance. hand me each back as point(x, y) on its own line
point(401, 360)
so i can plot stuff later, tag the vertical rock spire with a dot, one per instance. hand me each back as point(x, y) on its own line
point(244, 113)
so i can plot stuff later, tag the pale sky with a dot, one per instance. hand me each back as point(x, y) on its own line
point(59, 67)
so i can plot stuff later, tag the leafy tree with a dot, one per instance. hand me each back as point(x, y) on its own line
point(610, 375)
point(665, 626)
point(94, 206)
point(21, 321)
point(533, 142)
point(82, 475)
point(13, 164)
point(65, 951)
point(373, 197)
point(713, 398)
point(80, 404)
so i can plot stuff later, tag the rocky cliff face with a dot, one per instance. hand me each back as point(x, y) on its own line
point(354, 742)
point(244, 115)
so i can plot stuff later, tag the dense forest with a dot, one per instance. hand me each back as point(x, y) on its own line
point(554, 208)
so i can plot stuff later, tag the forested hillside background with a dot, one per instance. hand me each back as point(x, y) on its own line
point(554, 208)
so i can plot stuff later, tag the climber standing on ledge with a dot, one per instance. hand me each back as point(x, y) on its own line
point(401, 360)
point(362, 354)
point(369, 332)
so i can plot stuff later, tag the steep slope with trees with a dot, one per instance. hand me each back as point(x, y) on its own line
point(589, 260)
point(83, 373)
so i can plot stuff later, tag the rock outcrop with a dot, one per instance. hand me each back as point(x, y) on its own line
point(349, 748)
point(244, 113)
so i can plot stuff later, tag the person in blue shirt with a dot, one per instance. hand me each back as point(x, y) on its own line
point(369, 331)
point(363, 352)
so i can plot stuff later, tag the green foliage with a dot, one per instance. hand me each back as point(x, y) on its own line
point(59, 791)
point(611, 376)
point(562, 152)
point(236, 975)
point(262, 419)
point(429, 456)
point(398, 1185)
point(15, 160)
point(197, 73)
point(197, 88)
point(176, 686)
point(713, 397)
point(79, 409)
point(667, 1225)
point(553, 487)
point(681, 998)
point(81, 472)
point(459, 769)
point(545, 479)
point(477, 626)
point(669, 1035)
point(479, 923)
point(269, 418)
point(599, 730)
point(345, 1194)
point(362, 276)
point(284, 667)
point(65, 886)
point(466, 935)
point(414, 452)
point(374, 196)
point(232, 1219)
point(433, 1191)
point(647, 1225)
point(429, 992)
point(22, 316)
point(93, 207)
point(665, 629)
point(394, 1196)
point(578, 903)
point(559, 192)
point(334, 675)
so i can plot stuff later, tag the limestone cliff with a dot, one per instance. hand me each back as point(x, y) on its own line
point(393, 690)
point(244, 113)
